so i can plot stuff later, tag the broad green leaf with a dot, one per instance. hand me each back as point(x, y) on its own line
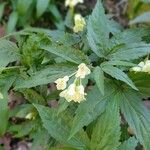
point(8, 52)
point(13, 18)
point(41, 7)
point(98, 30)
point(6, 82)
point(137, 115)
point(58, 128)
point(2, 5)
point(106, 132)
point(130, 144)
point(89, 110)
point(131, 52)
point(129, 36)
point(45, 76)
point(141, 80)
point(143, 18)
point(99, 79)
point(119, 63)
point(23, 6)
point(56, 35)
point(67, 53)
point(118, 74)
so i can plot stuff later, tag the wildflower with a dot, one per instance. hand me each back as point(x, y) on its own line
point(142, 67)
point(83, 70)
point(79, 23)
point(146, 67)
point(72, 3)
point(1, 96)
point(74, 93)
point(61, 83)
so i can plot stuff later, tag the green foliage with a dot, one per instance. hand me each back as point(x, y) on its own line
point(130, 144)
point(101, 135)
point(32, 60)
point(136, 115)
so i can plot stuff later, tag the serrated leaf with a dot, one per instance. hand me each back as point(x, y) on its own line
point(98, 30)
point(137, 115)
point(131, 52)
point(6, 82)
point(57, 35)
point(106, 132)
point(141, 80)
point(67, 53)
point(45, 76)
point(118, 74)
point(58, 128)
point(8, 52)
point(90, 109)
point(143, 18)
point(99, 79)
point(119, 63)
point(129, 36)
point(41, 7)
point(130, 144)
point(13, 18)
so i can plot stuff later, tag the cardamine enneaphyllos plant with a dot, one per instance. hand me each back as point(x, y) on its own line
point(94, 78)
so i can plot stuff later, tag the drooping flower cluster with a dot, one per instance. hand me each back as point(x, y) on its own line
point(142, 67)
point(79, 23)
point(75, 91)
point(72, 3)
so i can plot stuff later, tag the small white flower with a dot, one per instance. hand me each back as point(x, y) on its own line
point(83, 70)
point(61, 83)
point(136, 69)
point(74, 93)
point(29, 116)
point(1, 96)
point(79, 23)
point(146, 67)
point(72, 3)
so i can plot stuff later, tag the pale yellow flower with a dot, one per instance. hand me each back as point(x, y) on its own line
point(72, 3)
point(1, 96)
point(74, 93)
point(79, 23)
point(61, 83)
point(83, 70)
point(142, 67)
point(146, 67)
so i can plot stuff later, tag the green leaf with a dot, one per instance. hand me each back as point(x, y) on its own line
point(8, 52)
point(23, 6)
point(98, 30)
point(137, 115)
point(129, 36)
point(45, 76)
point(13, 18)
point(143, 18)
point(99, 79)
point(130, 144)
point(89, 110)
point(141, 80)
point(106, 133)
point(118, 74)
point(2, 6)
point(6, 82)
point(131, 52)
point(58, 128)
point(67, 53)
point(41, 7)
point(57, 35)
point(119, 63)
